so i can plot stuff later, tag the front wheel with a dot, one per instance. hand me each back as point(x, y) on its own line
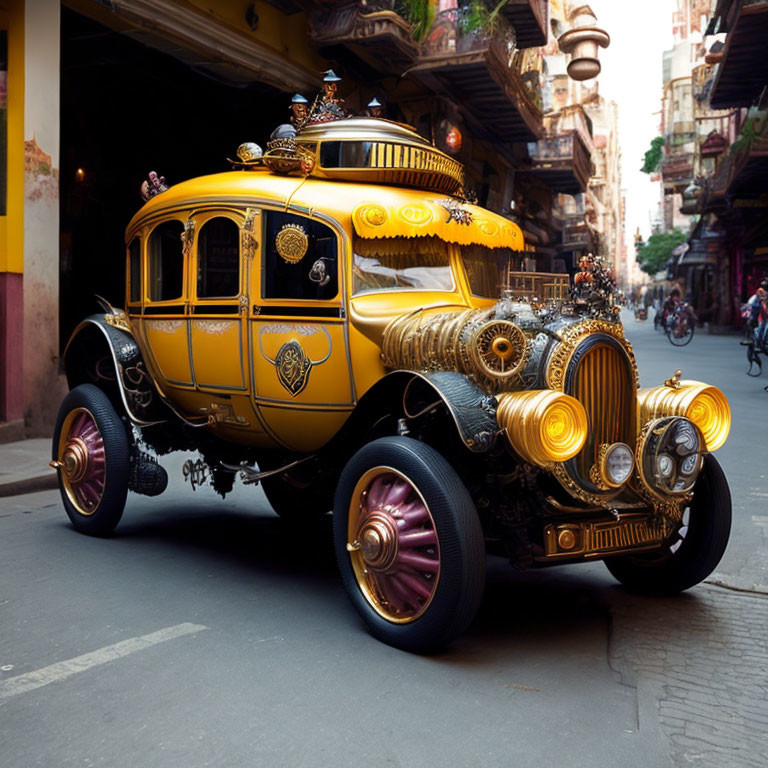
point(409, 544)
point(91, 451)
point(697, 548)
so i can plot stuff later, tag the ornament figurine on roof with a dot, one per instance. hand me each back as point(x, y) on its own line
point(594, 287)
point(375, 109)
point(328, 106)
point(299, 111)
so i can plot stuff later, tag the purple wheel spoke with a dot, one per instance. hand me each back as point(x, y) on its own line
point(410, 539)
point(398, 493)
point(418, 562)
point(415, 584)
point(417, 516)
point(389, 594)
point(405, 595)
point(376, 491)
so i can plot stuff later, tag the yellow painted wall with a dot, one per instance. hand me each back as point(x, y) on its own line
point(12, 225)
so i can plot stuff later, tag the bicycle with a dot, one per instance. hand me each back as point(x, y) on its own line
point(679, 325)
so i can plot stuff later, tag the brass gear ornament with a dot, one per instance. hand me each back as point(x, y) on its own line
point(292, 243)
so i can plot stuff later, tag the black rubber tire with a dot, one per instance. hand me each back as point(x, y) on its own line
point(701, 549)
point(292, 502)
point(107, 514)
point(462, 546)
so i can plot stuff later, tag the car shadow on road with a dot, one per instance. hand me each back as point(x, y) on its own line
point(545, 609)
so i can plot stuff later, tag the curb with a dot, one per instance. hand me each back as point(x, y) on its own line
point(734, 585)
point(30, 485)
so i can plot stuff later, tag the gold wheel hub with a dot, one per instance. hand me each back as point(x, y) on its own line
point(378, 541)
point(75, 459)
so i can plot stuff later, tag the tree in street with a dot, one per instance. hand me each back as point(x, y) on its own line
point(653, 256)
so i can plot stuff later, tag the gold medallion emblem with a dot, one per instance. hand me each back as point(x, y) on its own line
point(292, 243)
point(293, 367)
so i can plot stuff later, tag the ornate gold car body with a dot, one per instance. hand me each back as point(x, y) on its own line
point(284, 317)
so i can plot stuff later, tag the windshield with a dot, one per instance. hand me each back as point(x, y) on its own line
point(401, 264)
point(490, 270)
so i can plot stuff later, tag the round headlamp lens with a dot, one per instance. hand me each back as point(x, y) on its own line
point(711, 413)
point(563, 429)
point(619, 461)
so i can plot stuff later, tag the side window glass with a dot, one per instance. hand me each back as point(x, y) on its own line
point(218, 259)
point(166, 262)
point(299, 258)
point(134, 270)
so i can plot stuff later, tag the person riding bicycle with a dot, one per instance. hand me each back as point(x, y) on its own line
point(757, 328)
point(758, 304)
point(671, 303)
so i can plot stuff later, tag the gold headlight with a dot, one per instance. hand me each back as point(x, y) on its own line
point(543, 426)
point(705, 405)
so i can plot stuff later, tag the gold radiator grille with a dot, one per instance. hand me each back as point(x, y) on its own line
point(597, 539)
point(604, 385)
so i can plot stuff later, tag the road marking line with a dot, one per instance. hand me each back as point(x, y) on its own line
point(13, 686)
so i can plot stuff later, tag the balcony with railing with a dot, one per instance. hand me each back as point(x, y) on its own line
point(481, 69)
point(741, 73)
point(562, 161)
point(677, 170)
point(578, 235)
point(749, 155)
point(373, 30)
point(530, 19)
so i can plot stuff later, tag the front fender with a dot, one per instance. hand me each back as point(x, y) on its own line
point(109, 357)
point(473, 411)
point(408, 394)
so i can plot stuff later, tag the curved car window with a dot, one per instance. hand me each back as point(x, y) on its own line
point(299, 258)
point(134, 270)
point(218, 259)
point(166, 262)
point(401, 264)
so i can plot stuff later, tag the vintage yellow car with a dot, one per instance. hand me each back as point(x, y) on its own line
point(335, 321)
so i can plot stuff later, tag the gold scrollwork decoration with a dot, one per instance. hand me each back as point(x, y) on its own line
point(570, 338)
point(118, 319)
point(472, 341)
point(415, 214)
point(293, 365)
point(188, 236)
point(292, 243)
point(249, 244)
point(372, 214)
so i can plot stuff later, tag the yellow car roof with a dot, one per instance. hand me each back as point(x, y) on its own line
point(374, 210)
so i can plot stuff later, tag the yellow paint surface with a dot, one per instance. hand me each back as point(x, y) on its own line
point(217, 355)
point(12, 225)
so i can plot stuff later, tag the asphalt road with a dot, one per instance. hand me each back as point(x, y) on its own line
point(207, 632)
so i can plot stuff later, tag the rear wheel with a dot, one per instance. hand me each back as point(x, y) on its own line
point(695, 550)
point(681, 331)
point(91, 452)
point(409, 544)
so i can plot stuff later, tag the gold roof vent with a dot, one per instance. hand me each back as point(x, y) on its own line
point(367, 149)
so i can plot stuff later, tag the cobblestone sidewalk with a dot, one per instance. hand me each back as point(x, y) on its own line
point(703, 659)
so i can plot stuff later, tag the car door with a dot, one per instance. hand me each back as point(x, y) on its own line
point(301, 377)
point(217, 305)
